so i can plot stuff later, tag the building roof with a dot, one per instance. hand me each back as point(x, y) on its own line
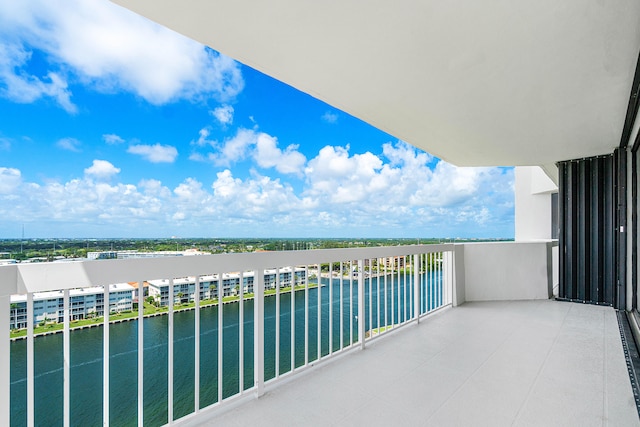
point(94, 290)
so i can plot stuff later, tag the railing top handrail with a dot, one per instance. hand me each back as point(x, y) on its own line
point(38, 277)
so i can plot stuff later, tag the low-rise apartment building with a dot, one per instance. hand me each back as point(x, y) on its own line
point(184, 288)
point(83, 303)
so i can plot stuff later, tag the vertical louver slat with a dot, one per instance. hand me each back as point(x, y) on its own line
point(588, 237)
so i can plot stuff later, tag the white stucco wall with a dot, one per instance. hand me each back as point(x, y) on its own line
point(533, 190)
point(507, 271)
point(458, 276)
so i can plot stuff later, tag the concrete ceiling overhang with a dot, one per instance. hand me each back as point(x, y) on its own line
point(475, 83)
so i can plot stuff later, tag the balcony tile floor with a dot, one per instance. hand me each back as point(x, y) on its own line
point(525, 363)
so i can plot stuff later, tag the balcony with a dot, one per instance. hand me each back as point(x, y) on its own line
point(432, 334)
point(508, 363)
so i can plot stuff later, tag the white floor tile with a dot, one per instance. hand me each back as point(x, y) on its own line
point(523, 363)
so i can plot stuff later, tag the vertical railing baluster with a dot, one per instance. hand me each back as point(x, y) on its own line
point(241, 335)
point(426, 282)
point(341, 306)
point(393, 312)
point(435, 279)
point(66, 360)
point(430, 283)
point(170, 364)
point(426, 288)
point(370, 300)
point(258, 331)
point(439, 287)
point(422, 260)
point(220, 288)
point(444, 276)
point(386, 285)
point(440, 255)
point(416, 287)
point(410, 286)
point(425, 279)
point(350, 302)
point(436, 282)
point(30, 363)
point(330, 307)
point(5, 358)
point(140, 356)
point(404, 287)
point(277, 323)
point(319, 311)
point(398, 312)
point(361, 318)
point(306, 315)
point(292, 282)
point(378, 294)
point(448, 270)
point(106, 392)
point(196, 348)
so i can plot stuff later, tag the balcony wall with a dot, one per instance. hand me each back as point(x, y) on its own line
point(500, 271)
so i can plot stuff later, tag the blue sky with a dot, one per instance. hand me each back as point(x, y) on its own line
point(112, 126)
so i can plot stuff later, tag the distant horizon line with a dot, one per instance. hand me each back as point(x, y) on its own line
point(256, 238)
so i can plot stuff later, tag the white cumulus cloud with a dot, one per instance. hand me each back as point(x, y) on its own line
point(110, 48)
point(261, 198)
point(399, 191)
point(234, 149)
point(330, 117)
point(261, 147)
point(224, 114)
point(268, 155)
point(203, 139)
point(21, 87)
point(101, 169)
point(69, 144)
point(10, 179)
point(112, 139)
point(156, 153)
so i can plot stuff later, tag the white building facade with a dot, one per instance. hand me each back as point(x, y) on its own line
point(184, 288)
point(84, 303)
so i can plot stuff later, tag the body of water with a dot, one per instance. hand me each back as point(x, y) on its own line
point(87, 358)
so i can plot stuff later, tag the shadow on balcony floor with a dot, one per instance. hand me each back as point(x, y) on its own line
point(523, 363)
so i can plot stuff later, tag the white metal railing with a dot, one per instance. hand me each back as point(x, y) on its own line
point(347, 298)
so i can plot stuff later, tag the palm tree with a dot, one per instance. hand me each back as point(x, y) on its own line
point(212, 288)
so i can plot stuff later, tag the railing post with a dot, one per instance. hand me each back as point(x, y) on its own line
point(30, 363)
point(106, 311)
point(258, 331)
point(196, 350)
point(5, 360)
point(361, 318)
point(66, 357)
point(140, 352)
point(170, 364)
point(416, 286)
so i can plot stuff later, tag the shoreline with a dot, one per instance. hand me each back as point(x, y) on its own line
point(162, 313)
point(324, 275)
